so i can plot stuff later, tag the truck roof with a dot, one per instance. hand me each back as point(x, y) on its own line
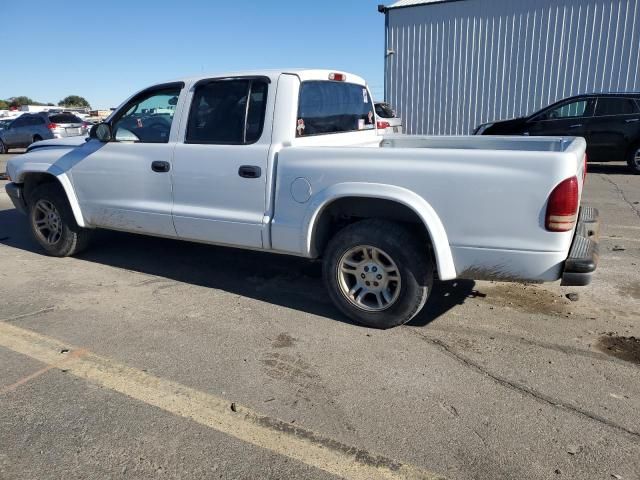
point(305, 74)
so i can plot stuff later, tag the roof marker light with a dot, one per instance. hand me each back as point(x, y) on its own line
point(338, 77)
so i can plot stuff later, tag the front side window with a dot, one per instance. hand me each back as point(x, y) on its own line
point(20, 121)
point(580, 108)
point(333, 107)
point(616, 106)
point(148, 117)
point(227, 112)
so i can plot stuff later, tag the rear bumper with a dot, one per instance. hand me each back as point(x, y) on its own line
point(16, 194)
point(583, 255)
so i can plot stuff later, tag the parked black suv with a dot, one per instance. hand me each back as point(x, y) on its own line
point(610, 123)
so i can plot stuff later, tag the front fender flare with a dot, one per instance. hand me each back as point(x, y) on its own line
point(65, 182)
point(430, 219)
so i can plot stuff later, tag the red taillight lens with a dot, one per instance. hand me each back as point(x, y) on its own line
point(51, 126)
point(338, 77)
point(382, 125)
point(562, 208)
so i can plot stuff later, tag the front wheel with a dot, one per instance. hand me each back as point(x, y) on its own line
point(378, 273)
point(52, 223)
point(634, 159)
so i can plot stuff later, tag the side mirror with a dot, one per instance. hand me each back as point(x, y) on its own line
point(101, 131)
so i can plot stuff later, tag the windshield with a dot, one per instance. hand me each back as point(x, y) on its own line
point(5, 123)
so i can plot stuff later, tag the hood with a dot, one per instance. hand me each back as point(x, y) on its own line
point(503, 127)
point(51, 156)
point(65, 142)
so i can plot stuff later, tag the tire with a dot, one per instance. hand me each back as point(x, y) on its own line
point(52, 223)
point(403, 264)
point(633, 159)
point(3, 148)
point(36, 138)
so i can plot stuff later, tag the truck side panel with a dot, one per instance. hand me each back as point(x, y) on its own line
point(491, 203)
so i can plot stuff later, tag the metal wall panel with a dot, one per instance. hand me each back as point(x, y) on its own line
point(457, 65)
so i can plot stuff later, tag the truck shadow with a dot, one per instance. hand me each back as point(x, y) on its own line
point(611, 168)
point(283, 280)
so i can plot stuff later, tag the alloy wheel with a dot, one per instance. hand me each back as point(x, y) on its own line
point(47, 222)
point(369, 278)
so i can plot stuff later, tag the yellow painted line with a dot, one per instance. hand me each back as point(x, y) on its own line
point(214, 412)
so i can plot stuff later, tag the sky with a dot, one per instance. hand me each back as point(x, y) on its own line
point(105, 50)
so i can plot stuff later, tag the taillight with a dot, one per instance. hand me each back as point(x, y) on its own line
point(562, 208)
point(338, 77)
point(382, 125)
point(52, 126)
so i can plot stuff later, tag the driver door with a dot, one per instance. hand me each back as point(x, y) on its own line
point(125, 184)
point(567, 119)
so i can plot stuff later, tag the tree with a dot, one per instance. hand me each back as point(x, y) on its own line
point(4, 105)
point(74, 101)
point(22, 100)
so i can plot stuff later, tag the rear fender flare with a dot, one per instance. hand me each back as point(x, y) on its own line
point(430, 219)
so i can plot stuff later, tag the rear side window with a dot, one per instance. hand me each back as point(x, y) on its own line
point(228, 112)
point(64, 118)
point(616, 106)
point(333, 107)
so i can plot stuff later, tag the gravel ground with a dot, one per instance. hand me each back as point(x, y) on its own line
point(492, 381)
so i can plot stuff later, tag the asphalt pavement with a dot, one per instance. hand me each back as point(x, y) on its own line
point(147, 358)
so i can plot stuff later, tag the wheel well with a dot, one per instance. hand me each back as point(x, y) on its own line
point(34, 180)
point(347, 210)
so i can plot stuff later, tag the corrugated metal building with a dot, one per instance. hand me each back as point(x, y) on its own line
point(453, 64)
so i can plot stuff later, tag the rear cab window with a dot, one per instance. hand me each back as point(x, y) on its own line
point(326, 107)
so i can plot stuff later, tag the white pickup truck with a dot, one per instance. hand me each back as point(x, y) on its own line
point(289, 161)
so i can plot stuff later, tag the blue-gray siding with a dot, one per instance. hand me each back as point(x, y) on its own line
point(458, 64)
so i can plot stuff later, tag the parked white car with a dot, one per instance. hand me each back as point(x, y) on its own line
point(387, 120)
point(305, 173)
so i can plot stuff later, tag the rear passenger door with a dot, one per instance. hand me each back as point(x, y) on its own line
point(220, 170)
point(614, 126)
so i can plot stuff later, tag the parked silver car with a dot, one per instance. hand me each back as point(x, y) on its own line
point(29, 128)
point(387, 120)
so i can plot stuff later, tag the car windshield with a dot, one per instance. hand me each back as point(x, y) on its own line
point(5, 123)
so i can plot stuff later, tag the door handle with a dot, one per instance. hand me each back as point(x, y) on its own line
point(577, 125)
point(249, 171)
point(160, 167)
point(631, 120)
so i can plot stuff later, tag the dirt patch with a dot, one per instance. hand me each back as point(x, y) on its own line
point(624, 348)
point(630, 290)
point(526, 298)
point(283, 341)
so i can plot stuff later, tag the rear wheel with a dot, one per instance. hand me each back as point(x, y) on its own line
point(634, 159)
point(36, 138)
point(378, 273)
point(3, 148)
point(52, 223)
